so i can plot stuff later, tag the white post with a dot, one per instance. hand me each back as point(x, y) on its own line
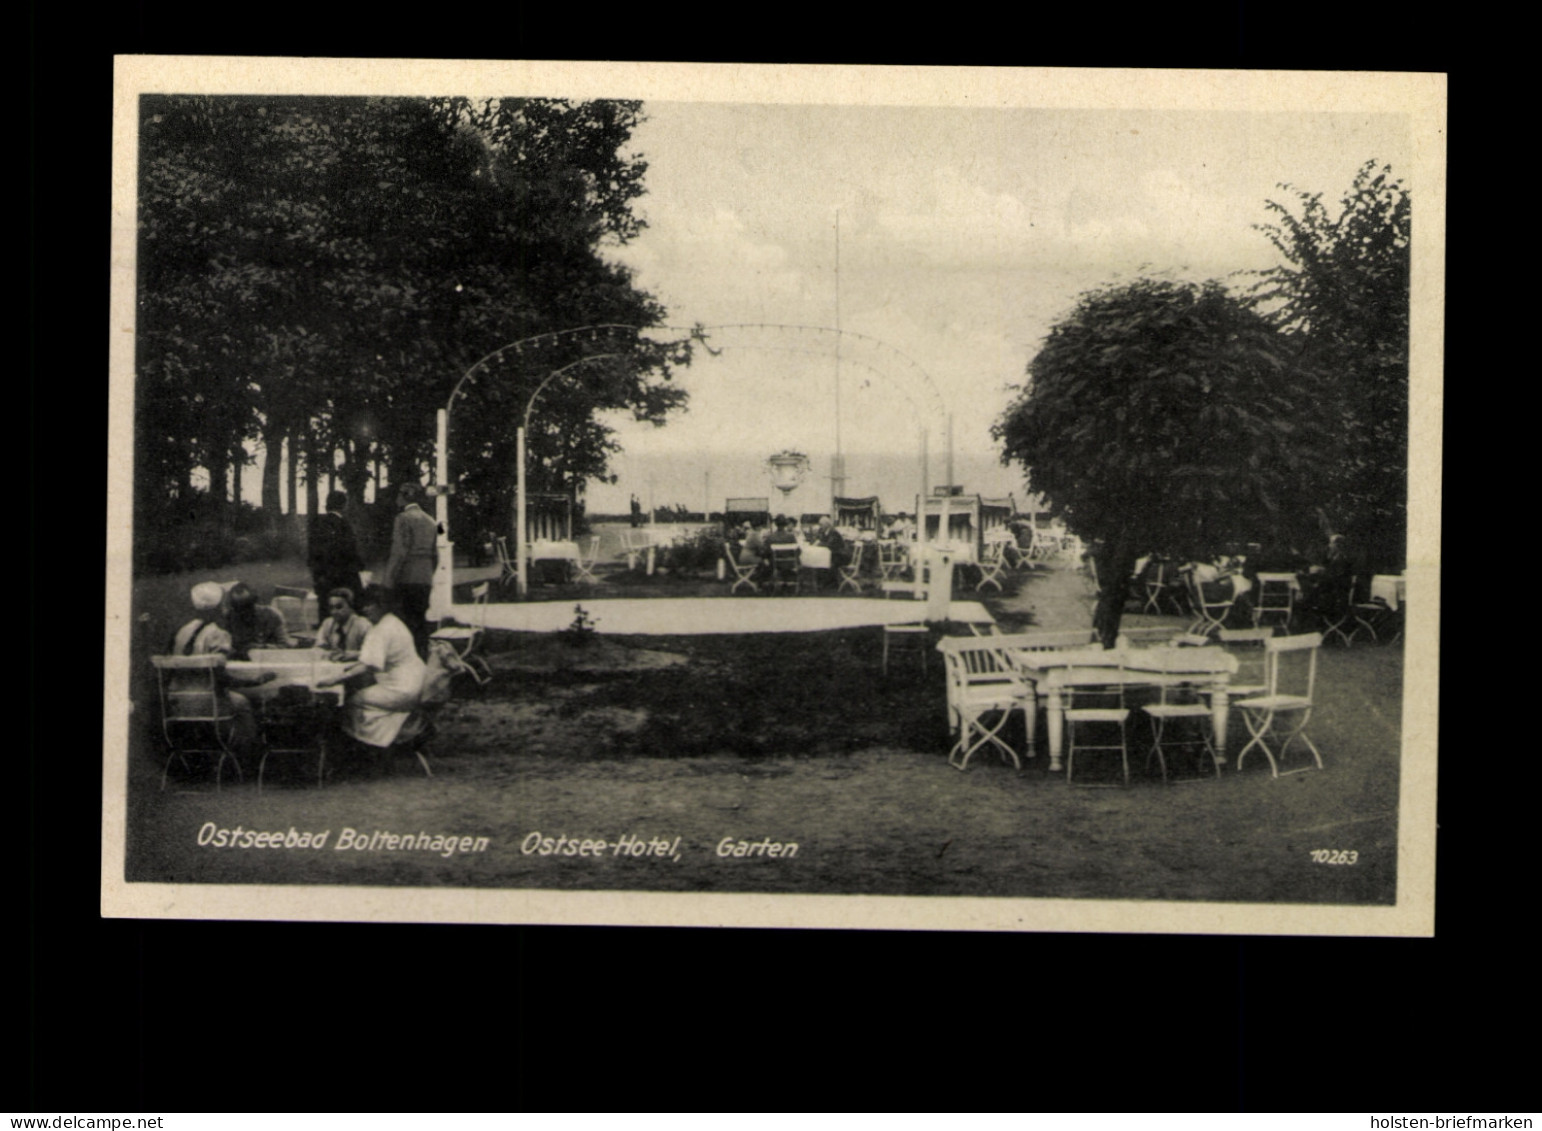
point(520, 556)
point(921, 498)
point(942, 523)
point(442, 595)
point(939, 591)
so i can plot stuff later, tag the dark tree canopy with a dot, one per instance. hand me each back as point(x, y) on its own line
point(321, 272)
point(1343, 297)
point(1167, 417)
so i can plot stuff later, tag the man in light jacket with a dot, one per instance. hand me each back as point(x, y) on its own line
point(414, 556)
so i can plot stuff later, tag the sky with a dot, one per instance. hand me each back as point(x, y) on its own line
point(963, 235)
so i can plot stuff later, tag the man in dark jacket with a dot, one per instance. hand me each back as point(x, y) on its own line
point(333, 551)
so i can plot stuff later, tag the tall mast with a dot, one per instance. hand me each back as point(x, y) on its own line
point(837, 463)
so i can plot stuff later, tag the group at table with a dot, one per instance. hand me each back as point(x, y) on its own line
point(236, 659)
point(821, 549)
point(1228, 582)
point(1046, 670)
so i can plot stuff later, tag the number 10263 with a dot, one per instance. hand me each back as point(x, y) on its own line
point(1334, 856)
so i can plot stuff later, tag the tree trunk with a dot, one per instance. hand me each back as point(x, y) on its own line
point(235, 478)
point(291, 471)
point(272, 464)
point(219, 475)
point(313, 475)
point(1115, 562)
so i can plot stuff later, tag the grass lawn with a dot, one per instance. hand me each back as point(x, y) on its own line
point(783, 739)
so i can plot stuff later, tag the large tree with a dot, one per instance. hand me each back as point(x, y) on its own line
point(1166, 417)
point(1342, 295)
point(321, 271)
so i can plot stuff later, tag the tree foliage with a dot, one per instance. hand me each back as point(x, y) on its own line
point(322, 271)
point(1342, 295)
point(1167, 417)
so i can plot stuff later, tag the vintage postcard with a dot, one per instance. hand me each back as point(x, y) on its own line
point(894, 498)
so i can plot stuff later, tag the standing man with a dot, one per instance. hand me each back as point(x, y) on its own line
point(334, 552)
point(414, 556)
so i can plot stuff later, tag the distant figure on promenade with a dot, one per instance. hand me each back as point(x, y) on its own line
point(333, 552)
point(636, 513)
point(414, 556)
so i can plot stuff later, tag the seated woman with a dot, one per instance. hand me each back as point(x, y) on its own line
point(376, 713)
point(252, 625)
point(342, 633)
point(205, 636)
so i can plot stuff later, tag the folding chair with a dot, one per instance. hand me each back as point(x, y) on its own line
point(295, 721)
point(743, 574)
point(1246, 646)
point(1158, 584)
point(510, 572)
point(982, 682)
point(192, 703)
point(1284, 697)
point(1209, 614)
point(296, 623)
point(465, 638)
point(892, 559)
point(1276, 597)
point(1368, 614)
point(851, 572)
point(1093, 697)
point(586, 561)
point(992, 566)
point(1180, 698)
point(786, 568)
point(1074, 638)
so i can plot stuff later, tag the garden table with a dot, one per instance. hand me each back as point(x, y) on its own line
point(291, 668)
point(1142, 667)
point(635, 542)
point(1389, 588)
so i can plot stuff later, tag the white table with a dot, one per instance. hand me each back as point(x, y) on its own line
point(553, 551)
point(1389, 588)
point(647, 540)
point(1046, 672)
point(290, 668)
point(814, 557)
point(1282, 578)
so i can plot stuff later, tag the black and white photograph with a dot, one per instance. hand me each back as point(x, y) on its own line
point(879, 497)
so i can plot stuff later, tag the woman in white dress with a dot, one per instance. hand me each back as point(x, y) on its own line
point(376, 713)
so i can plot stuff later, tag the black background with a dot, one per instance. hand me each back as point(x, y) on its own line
point(162, 1015)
